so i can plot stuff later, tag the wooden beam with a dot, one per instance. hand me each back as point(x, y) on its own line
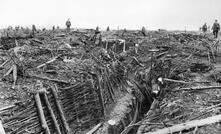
point(92, 131)
point(2, 131)
point(61, 113)
point(6, 107)
point(201, 88)
point(52, 114)
point(188, 125)
point(41, 114)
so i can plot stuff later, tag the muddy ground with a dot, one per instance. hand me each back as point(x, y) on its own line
point(190, 62)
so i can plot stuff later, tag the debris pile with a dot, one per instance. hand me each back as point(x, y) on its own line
point(73, 82)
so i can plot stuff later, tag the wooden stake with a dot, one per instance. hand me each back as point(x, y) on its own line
point(101, 96)
point(15, 74)
point(46, 78)
point(106, 46)
point(188, 125)
point(184, 82)
point(200, 88)
point(48, 62)
point(4, 63)
point(6, 108)
point(92, 131)
point(2, 131)
point(41, 114)
point(61, 114)
point(209, 58)
point(52, 114)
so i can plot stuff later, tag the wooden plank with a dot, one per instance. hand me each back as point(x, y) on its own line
point(188, 125)
point(6, 107)
point(52, 114)
point(92, 131)
point(201, 88)
point(61, 113)
point(2, 131)
point(41, 114)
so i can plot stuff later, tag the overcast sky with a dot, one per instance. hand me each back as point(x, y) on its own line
point(130, 14)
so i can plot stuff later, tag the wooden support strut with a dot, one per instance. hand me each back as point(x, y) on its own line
point(41, 114)
point(66, 126)
point(52, 114)
point(101, 96)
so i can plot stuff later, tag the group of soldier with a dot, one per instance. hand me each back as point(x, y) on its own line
point(215, 28)
point(205, 28)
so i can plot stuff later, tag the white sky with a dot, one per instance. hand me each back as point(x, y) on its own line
point(130, 14)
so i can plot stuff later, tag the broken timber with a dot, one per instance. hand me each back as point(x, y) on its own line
point(41, 114)
point(66, 127)
point(200, 88)
point(188, 125)
point(2, 131)
point(92, 131)
point(52, 114)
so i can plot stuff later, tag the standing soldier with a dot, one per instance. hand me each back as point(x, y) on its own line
point(144, 31)
point(33, 30)
point(204, 28)
point(68, 24)
point(216, 28)
point(108, 29)
point(53, 28)
point(97, 30)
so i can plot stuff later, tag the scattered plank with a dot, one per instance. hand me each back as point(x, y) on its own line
point(49, 79)
point(184, 82)
point(6, 108)
point(200, 88)
point(92, 131)
point(188, 125)
point(48, 62)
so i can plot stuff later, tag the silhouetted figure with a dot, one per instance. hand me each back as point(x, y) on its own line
point(216, 28)
point(97, 30)
point(17, 28)
point(10, 28)
point(33, 30)
point(143, 31)
point(108, 28)
point(68, 24)
point(57, 27)
point(204, 28)
point(53, 28)
point(125, 30)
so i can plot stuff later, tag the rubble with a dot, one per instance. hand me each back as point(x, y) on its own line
point(91, 81)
